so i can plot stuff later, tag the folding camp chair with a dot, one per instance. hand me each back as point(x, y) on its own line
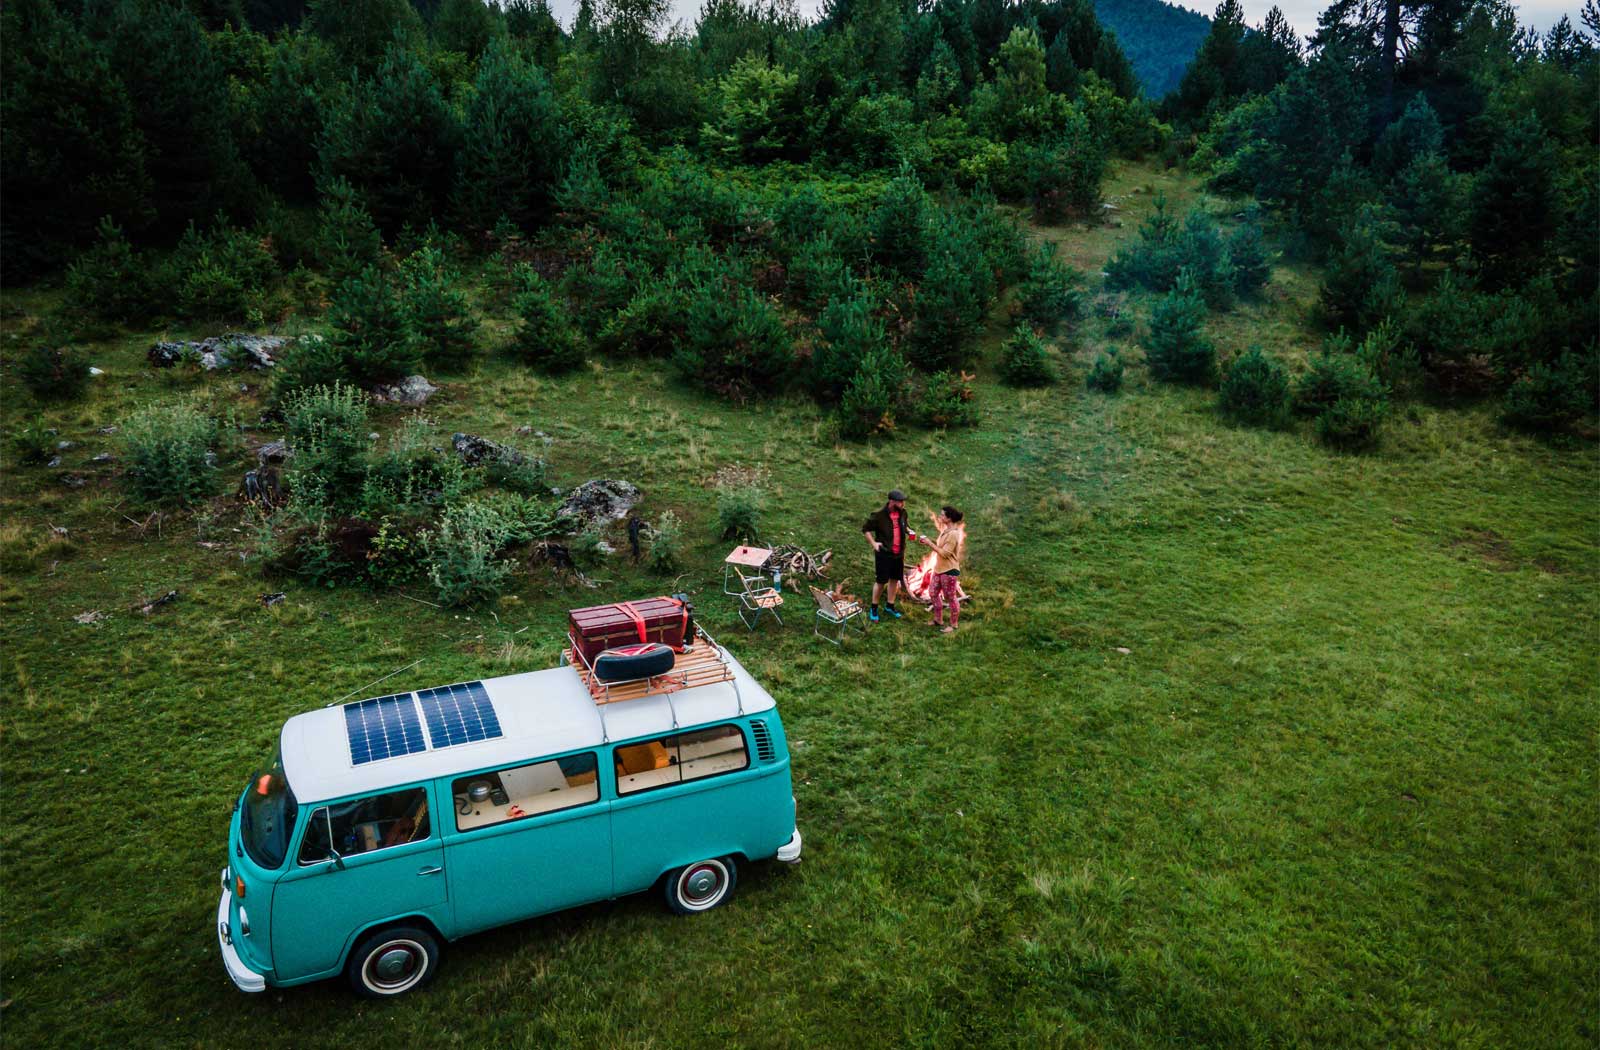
point(840, 615)
point(757, 597)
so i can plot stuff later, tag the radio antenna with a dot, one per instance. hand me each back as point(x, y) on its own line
point(374, 682)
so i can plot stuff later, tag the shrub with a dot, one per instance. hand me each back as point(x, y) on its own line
point(32, 446)
point(1165, 251)
point(948, 400)
point(222, 273)
point(463, 552)
point(1256, 389)
point(1352, 422)
point(544, 339)
point(414, 471)
point(326, 427)
point(53, 374)
point(108, 280)
point(1550, 397)
point(1051, 291)
point(368, 343)
point(435, 311)
point(664, 556)
point(1025, 360)
point(1178, 350)
point(872, 397)
point(1105, 374)
point(588, 548)
point(167, 448)
point(397, 555)
point(739, 510)
point(736, 344)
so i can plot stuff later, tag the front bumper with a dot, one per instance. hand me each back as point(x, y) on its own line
point(245, 978)
point(789, 852)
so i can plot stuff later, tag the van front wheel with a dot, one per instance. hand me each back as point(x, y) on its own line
point(701, 886)
point(392, 962)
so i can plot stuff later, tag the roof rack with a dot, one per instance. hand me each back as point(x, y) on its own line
point(703, 662)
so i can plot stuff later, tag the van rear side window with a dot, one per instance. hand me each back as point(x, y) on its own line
point(675, 759)
point(484, 799)
point(366, 824)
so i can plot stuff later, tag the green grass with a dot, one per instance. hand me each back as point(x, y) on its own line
point(1340, 791)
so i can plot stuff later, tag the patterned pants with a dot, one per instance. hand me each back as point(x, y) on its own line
point(941, 590)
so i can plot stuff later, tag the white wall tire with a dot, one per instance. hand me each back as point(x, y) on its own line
point(392, 962)
point(701, 886)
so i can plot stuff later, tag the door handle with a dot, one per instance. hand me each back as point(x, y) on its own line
point(434, 870)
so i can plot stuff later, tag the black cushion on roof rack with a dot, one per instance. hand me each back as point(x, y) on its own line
point(633, 661)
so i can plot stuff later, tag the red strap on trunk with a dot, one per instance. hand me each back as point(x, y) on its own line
point(638, 621)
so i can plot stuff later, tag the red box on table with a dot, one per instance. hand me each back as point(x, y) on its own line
point(668, 620)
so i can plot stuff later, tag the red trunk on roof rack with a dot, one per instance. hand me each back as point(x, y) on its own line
point(669, 621)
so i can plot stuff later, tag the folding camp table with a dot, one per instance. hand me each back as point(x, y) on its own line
point(749, 559)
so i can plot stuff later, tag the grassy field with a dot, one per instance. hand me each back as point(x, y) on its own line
point(1242, 742)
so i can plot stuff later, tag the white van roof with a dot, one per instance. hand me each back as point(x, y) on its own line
point(540, 713)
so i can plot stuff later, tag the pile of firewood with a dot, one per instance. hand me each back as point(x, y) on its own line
point(796, 564)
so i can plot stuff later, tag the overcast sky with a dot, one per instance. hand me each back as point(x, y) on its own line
point(1302, 13)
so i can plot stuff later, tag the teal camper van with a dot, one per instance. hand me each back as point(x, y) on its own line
point(388, 826)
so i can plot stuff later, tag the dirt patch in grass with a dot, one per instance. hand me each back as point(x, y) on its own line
point(1490, 546)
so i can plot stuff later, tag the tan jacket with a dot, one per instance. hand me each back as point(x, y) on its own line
point(950, 549)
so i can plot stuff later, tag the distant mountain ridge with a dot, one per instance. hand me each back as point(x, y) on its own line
point(1159, 38)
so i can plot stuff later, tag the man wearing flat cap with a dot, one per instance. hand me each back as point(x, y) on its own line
point(886, 530)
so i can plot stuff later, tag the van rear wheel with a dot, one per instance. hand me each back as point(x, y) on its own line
point(701, 886)
point(392, 962)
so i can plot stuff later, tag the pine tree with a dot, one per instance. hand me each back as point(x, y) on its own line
point(1416, 133)
point(394, 138)
point(849, 332)
point(1177, 349)
point(544, 338)
point(362, 31)
point(467, 26)
point(435, 310)
point(1424, 205)
point(368, 332)
point(513, 145)
point(1513, 215)
point(347, 239)
point(70, 151)
point(1360, 288)
point(900, 227)
point(181, 104)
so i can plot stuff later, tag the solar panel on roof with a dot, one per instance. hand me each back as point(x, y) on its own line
point(383, 727)
point(459, 714)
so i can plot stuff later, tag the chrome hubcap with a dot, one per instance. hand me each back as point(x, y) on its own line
point(701, 883)
point(394, 965)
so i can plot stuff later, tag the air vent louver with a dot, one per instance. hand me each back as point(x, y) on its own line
point(764, 750)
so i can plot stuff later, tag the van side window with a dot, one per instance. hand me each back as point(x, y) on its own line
point(365, 825)
point(674, 759)
point(525, 791)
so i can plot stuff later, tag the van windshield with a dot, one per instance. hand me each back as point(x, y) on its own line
point(267, 819)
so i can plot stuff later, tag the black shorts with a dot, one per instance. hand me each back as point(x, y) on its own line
point(889, 568)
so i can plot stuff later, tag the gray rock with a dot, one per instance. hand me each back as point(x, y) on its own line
point(476, 451)
point(273, 452)
point(104, 457)
point(62, 446)
point(413, 390)
point(55, 461)
point(596, 502)
point(229, 350)
point(107, 430)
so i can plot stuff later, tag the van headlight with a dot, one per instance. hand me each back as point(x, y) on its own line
point(244, 922)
